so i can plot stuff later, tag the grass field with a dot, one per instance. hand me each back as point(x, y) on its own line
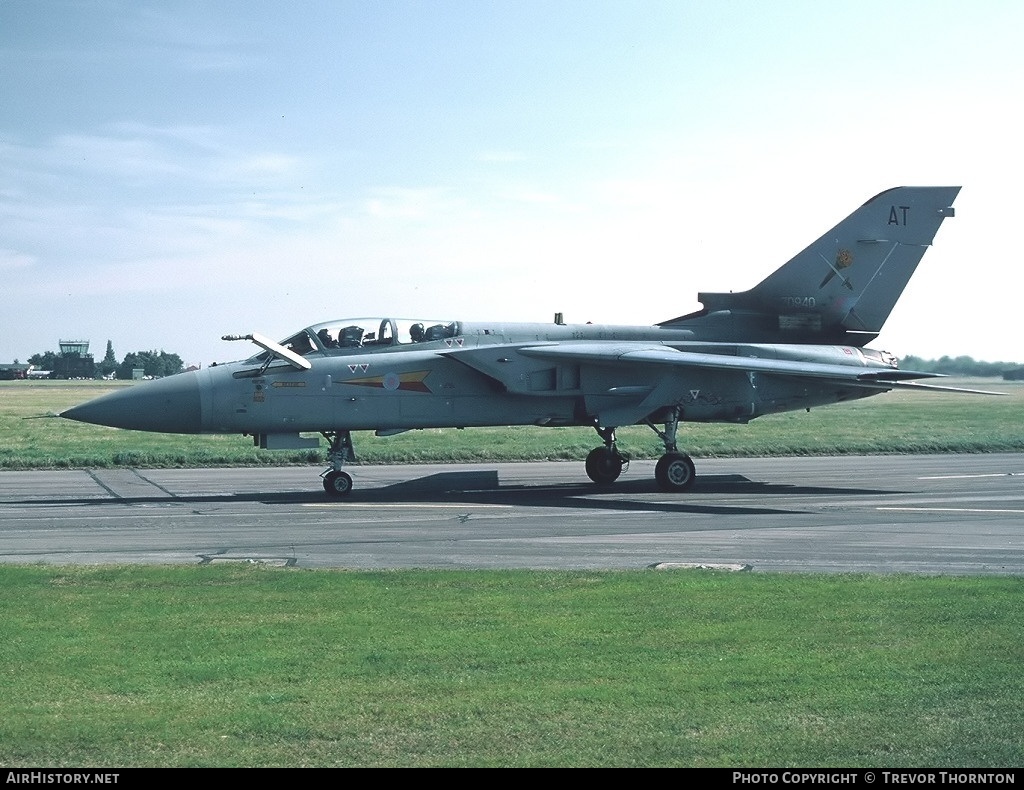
point(895, 422)
point(259, 667)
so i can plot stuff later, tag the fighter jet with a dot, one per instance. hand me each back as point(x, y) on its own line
point(796, 340)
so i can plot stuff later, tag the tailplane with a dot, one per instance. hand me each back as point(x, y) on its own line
point(842, 287)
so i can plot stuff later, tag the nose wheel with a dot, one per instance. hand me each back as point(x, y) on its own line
point(338, 483)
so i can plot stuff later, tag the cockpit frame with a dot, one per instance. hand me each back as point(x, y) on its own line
point(365, 335)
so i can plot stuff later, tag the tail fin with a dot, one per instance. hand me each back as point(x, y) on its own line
point(842, 287)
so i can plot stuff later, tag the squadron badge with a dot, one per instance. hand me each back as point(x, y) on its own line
point(844, 259)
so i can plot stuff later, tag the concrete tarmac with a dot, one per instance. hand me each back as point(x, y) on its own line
point(939, 514)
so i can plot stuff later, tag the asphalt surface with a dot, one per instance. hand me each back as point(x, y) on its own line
point(941, 514)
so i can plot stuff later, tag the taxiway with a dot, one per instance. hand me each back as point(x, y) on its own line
point(948, 514)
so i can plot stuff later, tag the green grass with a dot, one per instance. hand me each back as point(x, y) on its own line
point(243, 665)
point(896, 422)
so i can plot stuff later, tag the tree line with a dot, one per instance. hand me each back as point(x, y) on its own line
point(965, 366)
point(157, 364)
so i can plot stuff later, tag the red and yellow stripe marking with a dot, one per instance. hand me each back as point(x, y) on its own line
point(412, 381)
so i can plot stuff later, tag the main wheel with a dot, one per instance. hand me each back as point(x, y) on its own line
point(674, 472)
point(338, 483)
point(604, 466)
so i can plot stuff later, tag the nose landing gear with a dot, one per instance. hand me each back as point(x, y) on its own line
point(337, 482)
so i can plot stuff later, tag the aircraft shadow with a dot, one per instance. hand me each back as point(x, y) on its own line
point(462, 482)
point(484, 487)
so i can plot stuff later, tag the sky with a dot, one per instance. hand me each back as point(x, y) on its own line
point(173, 171)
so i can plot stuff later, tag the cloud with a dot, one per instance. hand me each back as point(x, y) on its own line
point(410, 203)
point(11, 259)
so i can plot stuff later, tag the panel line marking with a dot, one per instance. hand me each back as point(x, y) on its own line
point(949, 510)
point(972, 477)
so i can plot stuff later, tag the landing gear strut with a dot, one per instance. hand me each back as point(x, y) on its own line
point(675, 471)
point(337, 482)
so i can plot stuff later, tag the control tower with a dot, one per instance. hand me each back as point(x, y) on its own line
point(74, 361)
point(77, 347)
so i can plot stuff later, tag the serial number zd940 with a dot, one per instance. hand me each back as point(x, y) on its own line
point(798, 301)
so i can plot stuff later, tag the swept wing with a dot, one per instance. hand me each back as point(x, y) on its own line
point(626, 355)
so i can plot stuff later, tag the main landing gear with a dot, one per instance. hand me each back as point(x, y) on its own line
point(337, 482)
point(605, 464)
point(675, 471)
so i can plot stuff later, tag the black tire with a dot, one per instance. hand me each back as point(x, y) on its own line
point(675, 472)
point(604, 466)
point(338, 483)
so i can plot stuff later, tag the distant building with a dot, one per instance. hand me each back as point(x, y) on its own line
point(74, 361)
point(14, 370)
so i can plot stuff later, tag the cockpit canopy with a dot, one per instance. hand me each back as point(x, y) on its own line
point(355, 335)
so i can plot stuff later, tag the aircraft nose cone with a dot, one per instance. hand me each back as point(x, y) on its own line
point(170, 405)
